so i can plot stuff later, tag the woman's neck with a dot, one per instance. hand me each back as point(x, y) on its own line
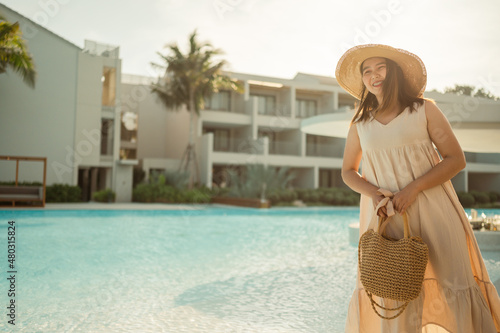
point(395, 108)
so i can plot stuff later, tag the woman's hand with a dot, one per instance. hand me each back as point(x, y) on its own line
point(382, 211)
point(404, 198)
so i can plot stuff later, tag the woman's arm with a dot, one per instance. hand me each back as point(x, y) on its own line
point(453, 161)
point(350, 166)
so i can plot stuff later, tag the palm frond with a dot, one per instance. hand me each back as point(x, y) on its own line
point(14, 53)
point(258, 178)
point(194, 71)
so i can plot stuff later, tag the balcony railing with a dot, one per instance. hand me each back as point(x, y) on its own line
point(278, 111)
point(237, 145)
point(284, 148)
point(236, 110)
point(321, 150)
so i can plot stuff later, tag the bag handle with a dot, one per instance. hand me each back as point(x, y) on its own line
point(382, 223)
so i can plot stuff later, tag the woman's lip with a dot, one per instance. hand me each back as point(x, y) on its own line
point(373, 84)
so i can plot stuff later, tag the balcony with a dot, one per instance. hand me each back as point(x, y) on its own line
point(284, 148)
point(282, 110)
point(235, 110)
point(321, 150)
point(237, 145)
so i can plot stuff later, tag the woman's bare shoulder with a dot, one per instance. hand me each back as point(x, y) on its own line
point(432, 111)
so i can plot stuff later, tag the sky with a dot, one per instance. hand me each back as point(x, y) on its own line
point(458, 40)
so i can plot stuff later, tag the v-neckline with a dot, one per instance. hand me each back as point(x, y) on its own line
point(391, 119)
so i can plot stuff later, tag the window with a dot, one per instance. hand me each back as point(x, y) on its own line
point(108, 86)
point(128, 135)
point(271, 135)
point(221, 138)
point(265, 104)
point(107, 131)
point(272, 140)
point(312, 145)
point(219, 101)
point(305, 108)
point(128, 154)
point(129, 127)
point(325, 178)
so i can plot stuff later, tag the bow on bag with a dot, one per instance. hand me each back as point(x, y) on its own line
point(386, 201)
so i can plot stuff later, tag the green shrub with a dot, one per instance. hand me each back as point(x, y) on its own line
point(314, 196)
point(63, 193)
point(288, 195)
point(220, 191)
point(327, 198)
point(350, 200)
point(138, 176)
point(466, 199)
point(300, 193)
point(166, 193)
point(493, 196)
point(305, 196)
point(143, 193)
point(480, 197)
point(195, 196)
point(338, 196)
point(160, 192)
point(106, 195)
point(274, 197)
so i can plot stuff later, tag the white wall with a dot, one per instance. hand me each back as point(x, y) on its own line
point(161, 133)
point(123, 188)
point(88, 111)
point(40, 121)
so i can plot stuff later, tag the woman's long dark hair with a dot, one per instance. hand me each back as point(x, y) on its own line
point(395, 90)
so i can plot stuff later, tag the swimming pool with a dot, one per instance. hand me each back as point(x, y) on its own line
point(207, 270)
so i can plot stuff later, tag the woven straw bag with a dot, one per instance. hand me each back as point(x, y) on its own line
point(390, 268)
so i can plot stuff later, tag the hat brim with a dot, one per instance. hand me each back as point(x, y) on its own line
point(348, 72)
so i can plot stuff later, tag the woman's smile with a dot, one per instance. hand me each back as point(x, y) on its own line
point(373, 74)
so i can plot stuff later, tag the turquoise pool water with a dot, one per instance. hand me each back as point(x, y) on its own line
point(206, 270)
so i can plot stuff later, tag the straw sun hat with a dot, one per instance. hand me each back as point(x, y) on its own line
point(348, 72)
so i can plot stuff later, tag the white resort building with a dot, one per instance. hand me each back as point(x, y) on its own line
point(95, 124)
point(71, 117)
point(300, 123)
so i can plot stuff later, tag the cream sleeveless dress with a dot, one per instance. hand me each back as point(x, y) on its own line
point(457, 295)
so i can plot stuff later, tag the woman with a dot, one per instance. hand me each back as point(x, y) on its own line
point(392, 136)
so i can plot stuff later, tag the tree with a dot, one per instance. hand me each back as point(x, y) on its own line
point(458, 89)
point(189, 79)
point(14, 52)
point(468, 90)
point(258, 180)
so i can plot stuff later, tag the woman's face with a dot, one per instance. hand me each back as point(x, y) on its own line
point(373, 72)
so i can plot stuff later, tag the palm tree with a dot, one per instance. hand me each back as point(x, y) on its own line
point(258, 180)
point(14, 53)
point(189, 79)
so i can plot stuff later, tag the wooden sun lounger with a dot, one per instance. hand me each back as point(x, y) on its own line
point(22, 193)
point(14, 193)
